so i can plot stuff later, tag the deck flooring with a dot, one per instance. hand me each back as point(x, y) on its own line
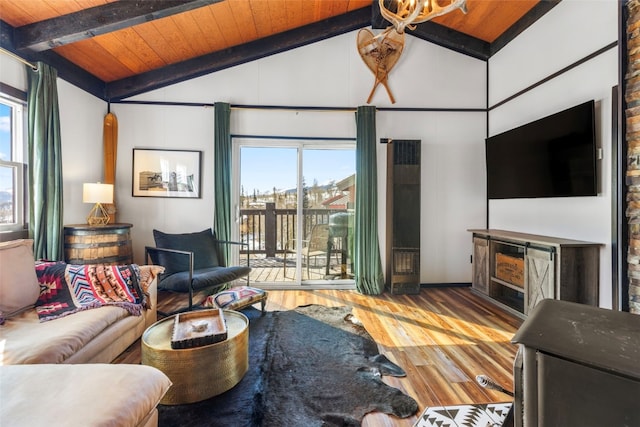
point(272, 270)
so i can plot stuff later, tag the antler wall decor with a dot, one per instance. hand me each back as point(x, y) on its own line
point(381, 53)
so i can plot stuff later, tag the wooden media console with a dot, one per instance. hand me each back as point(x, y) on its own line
point(518, 270)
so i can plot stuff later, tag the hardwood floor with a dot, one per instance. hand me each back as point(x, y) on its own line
point(442, 337)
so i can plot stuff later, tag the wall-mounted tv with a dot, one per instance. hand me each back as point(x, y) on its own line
point(551, 157)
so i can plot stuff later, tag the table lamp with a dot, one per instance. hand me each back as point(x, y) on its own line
point(97, 193)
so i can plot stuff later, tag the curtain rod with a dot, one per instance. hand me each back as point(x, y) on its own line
point(302, 108)
point(235, 106)
point(288, 107)
point(305, 138)
point(17, 58)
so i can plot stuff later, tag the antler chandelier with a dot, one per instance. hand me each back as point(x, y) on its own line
point(411, 12)
point(381, 52)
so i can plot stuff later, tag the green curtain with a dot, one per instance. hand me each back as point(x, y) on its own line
point(222, 174)
point(367, 264)
point(44, 152)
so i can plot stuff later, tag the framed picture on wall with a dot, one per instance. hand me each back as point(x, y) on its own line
point(166, 173)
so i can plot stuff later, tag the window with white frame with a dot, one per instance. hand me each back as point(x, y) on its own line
point(12, 164)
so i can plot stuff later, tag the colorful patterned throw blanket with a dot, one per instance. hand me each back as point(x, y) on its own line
point(66, 288)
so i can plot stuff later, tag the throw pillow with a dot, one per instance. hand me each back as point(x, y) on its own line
point(147, 274)
point(19, 288)
point(202, 244)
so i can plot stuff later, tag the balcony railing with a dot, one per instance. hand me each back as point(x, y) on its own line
point(267, 231)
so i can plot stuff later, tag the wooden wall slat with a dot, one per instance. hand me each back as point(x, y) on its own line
point(231, 25)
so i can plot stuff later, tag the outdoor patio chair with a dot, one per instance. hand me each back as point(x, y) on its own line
point(192, 263)
point(318, 244)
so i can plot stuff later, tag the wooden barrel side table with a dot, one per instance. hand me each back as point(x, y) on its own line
point(198, 373)
point(98, 244)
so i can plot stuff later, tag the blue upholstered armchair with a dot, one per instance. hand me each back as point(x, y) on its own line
point(192, 263)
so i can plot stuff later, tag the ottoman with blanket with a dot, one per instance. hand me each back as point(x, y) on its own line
point(237, 298)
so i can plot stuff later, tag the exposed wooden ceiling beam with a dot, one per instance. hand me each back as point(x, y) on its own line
point(66, 69)
point(73, 27)
point(462, 43)
point(451, 39)
point(217, 61)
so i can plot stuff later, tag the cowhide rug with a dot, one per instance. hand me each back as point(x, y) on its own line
point(312, 366)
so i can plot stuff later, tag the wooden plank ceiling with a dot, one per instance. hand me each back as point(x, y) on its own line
point(116, 49)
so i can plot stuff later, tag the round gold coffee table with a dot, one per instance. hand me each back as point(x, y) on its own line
point(198, 373)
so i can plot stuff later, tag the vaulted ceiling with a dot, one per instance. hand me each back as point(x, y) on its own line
point(117, 49)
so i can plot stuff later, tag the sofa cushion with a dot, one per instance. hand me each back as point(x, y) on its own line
point(27, 340)
point(148, 273)
point(19, 287)
point(79, 395)
point(202, 244)
point(203, 278)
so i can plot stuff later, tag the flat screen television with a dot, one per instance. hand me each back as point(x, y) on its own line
point(551, 157)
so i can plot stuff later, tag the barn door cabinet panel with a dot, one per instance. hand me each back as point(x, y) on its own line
point(518, 270)
point(540, 274)
point(480, 281)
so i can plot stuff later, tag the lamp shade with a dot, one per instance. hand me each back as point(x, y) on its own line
point(97, 193)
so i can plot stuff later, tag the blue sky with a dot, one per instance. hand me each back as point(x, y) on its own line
point(5, 132)
point(265, 168)
point(5, 146)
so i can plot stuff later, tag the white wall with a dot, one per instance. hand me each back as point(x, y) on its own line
point(13, 73)
point(81, 120)
point(452, 191)
point(569, 32)
point(329, 73)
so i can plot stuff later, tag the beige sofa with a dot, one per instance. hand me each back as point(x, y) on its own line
point(90, 336)
point(57, 372)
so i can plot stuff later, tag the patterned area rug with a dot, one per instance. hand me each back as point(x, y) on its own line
point(309, 367)
point(479, 415)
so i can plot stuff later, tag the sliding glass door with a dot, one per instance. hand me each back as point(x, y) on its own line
point(295, 210)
